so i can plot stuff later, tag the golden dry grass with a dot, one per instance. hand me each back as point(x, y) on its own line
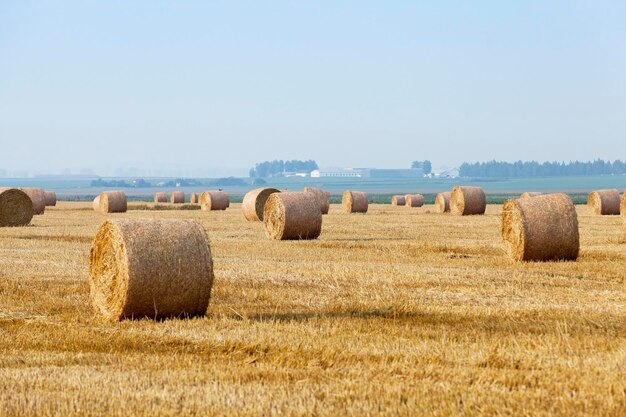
point(396, 312)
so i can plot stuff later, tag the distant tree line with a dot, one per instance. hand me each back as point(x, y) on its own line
point(138, 183)
point(278, 167)
point(426, 166)
point(545, 169)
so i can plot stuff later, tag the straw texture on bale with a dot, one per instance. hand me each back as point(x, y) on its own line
point(442, 202)
point(16, 208)
point(38, 197)
point(177, 197)
point(529, 194)
point(354, 202)
point(398, 200)
point(51, 198)
point(194, 198)
point(214, 200)
point(604, 202)
point(466, 201)
point(414, 200)
point(323, 196)
point(623, 207)
point(160, 197)
point(541, 228)
point(96, 203)
point(254, 203)
point(153, 268)
point(292, 215)
point(113, 202)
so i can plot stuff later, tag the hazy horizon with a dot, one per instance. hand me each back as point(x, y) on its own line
point(207, 90)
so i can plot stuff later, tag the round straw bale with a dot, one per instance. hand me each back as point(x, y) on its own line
point(529, 194)
point(323, 196)
point(442, 202)
point(214, 200)
point(623, 206)
point(604, 202)
point(414, 200)
point(51, 198)
point(541, 228)
point(354, 202)
point(467, 201)
point(160, 197)
point(194, 198)
point(254, 203)
point(177, 197)
point(38, 197)
point(96, 203)
point(113, 202)
point(153, 268)
point(398, 200)
point(292, 215)
point(16, 208)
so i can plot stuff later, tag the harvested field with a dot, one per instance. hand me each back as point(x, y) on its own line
point(399, 312)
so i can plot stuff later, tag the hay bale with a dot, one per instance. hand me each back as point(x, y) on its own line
point(160, 197)
point(529, 194)
point(442, 202)
point(623, 207)
point(322, 196)
point(113, 202)
point(466, 201)
point(604, 202)
point(414, 200)
point(51, 198)
point(177, 197)
point(292, 215)
point(38, 197)
point(153, 268)
point(96, 203)
point(16, 208)
point(214, 200)
point(541, 228)
point(254, 203)
point(194, 198)
point(354, 202)
point(398, 200)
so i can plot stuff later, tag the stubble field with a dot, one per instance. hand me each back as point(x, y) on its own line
point(397, 312)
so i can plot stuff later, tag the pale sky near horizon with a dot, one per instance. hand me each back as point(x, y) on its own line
point(205, 88)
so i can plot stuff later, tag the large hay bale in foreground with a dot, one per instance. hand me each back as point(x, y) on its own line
point(322, 196)
point(160, 197)
point(541, 228)
point(529, 194)
point(16, 208)
point(113, 202)
point(254, 203)
point(398, 200)
point(177, 197)
point(465, 201)
point(214, 200)
point(442, 202)
point(604, 202)
point(153, 268)
point(354, 202)
point(51, 198)
point(96, 203)
point(414, 200)
point(292, 215)
point(194, 198)
point(38, 197)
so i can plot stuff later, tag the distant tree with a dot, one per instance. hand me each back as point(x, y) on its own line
point(424, 165)
point(546, 169)
point(277, 167)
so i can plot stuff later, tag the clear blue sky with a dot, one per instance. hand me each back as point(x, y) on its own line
point(210, 88)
